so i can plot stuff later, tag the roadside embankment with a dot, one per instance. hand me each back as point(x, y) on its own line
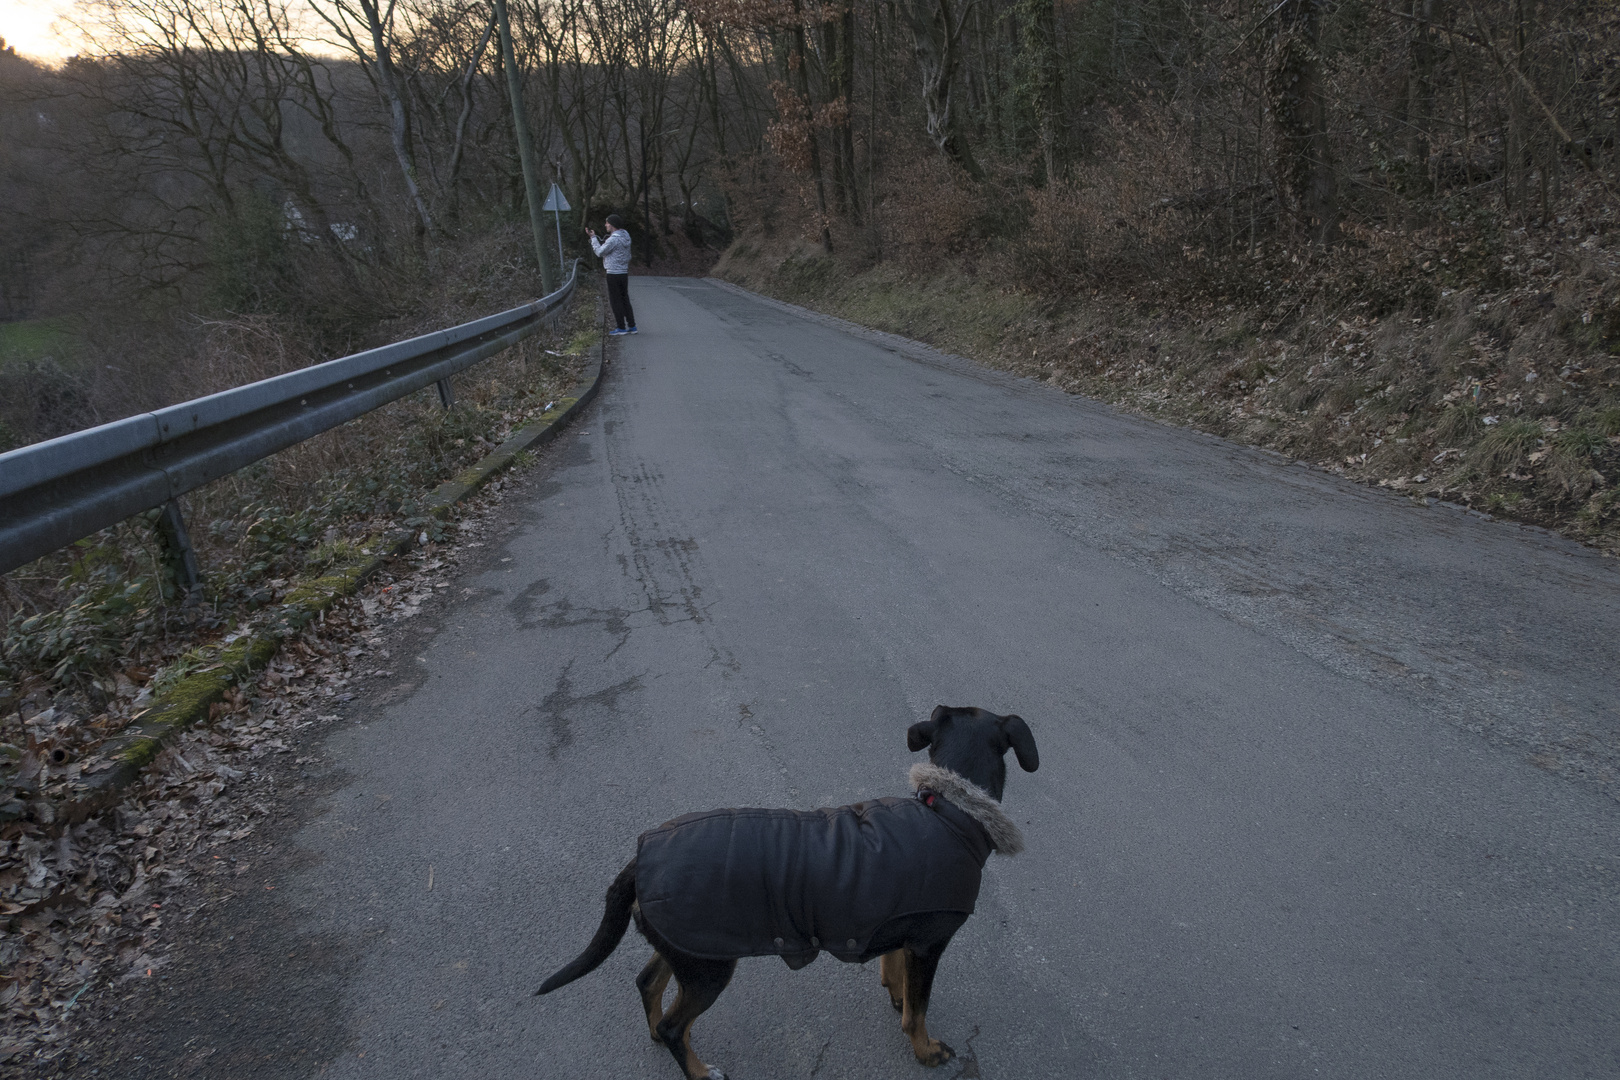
point(67, 769)
point(104, 820)
point(1436, 376)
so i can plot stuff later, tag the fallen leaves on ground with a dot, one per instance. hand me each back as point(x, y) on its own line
point(89, 907)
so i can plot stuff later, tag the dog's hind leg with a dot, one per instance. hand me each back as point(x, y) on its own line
point(651, 982)
point(892, 972)
point(919, 985)
point(700, 983)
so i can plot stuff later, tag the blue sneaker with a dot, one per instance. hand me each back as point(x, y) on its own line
point(616, 333)
point(632, 330)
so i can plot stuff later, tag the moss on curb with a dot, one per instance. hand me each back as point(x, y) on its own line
point(314, 597)
point(192, 695)
point(532, 434)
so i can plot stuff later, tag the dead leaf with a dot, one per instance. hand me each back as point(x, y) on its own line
point(28, 768)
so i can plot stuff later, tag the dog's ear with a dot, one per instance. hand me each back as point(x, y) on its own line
point(1023, 742)
point(920, 735)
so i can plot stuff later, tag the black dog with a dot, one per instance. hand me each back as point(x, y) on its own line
point(890, 878)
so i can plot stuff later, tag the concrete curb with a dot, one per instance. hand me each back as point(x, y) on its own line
point(188, 700)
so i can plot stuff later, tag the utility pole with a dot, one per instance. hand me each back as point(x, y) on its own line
point(549, 276)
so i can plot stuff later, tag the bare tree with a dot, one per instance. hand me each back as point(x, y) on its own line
point(366, 30)
point(936, 34)
point(1294, 82)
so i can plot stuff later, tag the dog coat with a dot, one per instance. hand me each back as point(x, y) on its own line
point(724, 884)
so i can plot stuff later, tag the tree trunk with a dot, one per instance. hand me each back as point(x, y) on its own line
point(549, 277)
point(1425, 55)
point(846, 131)
point(935, 34)
point(391, 84)
point(1304, 163)
point(798, 67)
point(453, 172)
point(838, 46)
point(1042, 75)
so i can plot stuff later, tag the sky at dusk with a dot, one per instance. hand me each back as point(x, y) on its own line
point(44, 30)
point(27, 26)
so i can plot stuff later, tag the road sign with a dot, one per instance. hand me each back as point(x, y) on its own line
point(556, 201)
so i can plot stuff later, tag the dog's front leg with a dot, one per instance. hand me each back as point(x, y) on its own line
point(651, 982)
point(919, 985)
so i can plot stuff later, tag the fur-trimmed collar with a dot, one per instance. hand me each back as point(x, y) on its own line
point(972, 800)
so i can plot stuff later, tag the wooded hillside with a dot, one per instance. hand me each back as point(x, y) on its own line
point(318, 174)
point(1130, 131)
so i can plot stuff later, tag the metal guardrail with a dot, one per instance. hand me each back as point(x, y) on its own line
point(54, 493)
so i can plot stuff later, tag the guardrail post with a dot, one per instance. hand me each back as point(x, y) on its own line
point(177, 550)
point(447, 396)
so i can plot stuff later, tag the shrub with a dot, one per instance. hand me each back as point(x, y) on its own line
point(1459, 425)
point(1506, 447)
point(1605, 422)
point(86, 634)
point(1570, 463)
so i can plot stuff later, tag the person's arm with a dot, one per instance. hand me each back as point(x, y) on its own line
point(596, 245)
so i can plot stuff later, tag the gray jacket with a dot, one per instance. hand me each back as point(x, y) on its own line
point(615, 252)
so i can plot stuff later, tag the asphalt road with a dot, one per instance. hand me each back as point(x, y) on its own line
point(1326, 784)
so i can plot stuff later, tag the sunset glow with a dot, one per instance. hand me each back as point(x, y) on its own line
point(37, 29)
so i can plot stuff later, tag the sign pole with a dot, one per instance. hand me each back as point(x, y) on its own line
point(556, 202)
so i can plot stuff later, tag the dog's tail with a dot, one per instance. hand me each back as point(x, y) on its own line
point(615, 920)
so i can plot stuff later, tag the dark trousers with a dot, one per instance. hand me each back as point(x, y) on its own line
point(619, 297)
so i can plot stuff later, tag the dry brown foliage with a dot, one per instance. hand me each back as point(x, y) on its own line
point(89, 910)
point(789, 134)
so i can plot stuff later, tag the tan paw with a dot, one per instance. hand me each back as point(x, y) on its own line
point(937, 1053)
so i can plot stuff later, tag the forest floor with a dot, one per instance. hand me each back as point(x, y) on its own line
point(1479, 368)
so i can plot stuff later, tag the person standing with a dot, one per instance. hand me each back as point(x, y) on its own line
point(614, 250)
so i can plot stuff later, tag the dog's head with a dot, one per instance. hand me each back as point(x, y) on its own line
point(972, 743)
